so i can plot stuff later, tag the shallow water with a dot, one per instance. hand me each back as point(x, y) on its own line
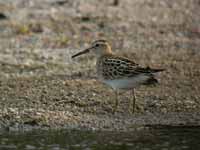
point(147, 139)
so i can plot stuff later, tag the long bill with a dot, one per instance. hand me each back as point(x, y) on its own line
point(82, 52)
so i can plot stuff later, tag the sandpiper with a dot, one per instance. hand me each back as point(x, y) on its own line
point(119, 72)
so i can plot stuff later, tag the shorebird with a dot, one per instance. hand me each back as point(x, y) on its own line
point(119, 72)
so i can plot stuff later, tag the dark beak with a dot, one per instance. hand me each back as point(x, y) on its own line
point(82, 52)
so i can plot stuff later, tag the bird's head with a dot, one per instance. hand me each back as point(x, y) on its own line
point(99, 48)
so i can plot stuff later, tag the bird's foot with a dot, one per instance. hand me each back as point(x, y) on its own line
point(114, 110)
point(133, 110)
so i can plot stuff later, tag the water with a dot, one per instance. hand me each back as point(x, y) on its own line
point(145, 139)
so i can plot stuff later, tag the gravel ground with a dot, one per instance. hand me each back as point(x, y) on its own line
point(41, 87)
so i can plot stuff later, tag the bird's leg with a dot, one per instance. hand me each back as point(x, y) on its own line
point(116, 101)
point(133, 103)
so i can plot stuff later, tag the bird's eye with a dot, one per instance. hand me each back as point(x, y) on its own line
point(97, 45)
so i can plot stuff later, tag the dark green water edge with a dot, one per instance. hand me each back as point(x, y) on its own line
point(147, 138)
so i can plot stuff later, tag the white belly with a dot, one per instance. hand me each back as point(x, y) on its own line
point(126, 83)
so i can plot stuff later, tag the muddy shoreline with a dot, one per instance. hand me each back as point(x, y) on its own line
point(29, 103)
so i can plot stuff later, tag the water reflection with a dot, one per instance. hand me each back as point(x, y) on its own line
point(147, 139)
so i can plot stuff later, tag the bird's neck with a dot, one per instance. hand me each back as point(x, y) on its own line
point(105, 52)
point(109, 50)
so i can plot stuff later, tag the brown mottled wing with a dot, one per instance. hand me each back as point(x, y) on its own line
point(116, 67)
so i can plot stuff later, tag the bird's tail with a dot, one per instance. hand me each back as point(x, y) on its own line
point(151, 81)
point(152, 70)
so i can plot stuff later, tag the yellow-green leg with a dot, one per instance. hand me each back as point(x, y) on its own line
point(133, 103)
point(116, 101)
